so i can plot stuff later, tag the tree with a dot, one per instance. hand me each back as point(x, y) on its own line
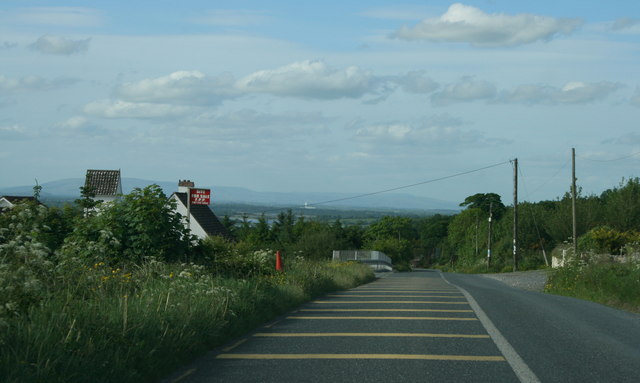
point(486, 202)
point(144, 223)
point(622, 205)
point(87, 202)
point(390, 227)
point(229, 224)
point(282, 229)
point(433, 232)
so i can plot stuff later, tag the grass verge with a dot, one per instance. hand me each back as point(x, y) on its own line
point(612, 284)
point(139, 325)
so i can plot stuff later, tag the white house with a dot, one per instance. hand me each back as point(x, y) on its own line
point(106, 184)
point(203, 222)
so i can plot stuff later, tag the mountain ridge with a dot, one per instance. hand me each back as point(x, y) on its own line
point(69, 188)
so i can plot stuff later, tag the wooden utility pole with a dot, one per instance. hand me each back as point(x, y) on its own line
point(573, 200)
point(489, 239)
point(515, 214)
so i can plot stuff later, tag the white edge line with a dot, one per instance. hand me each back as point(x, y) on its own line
point(518, 365)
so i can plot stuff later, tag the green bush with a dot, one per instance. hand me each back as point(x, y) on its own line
point(608, 283)
point(602, 240)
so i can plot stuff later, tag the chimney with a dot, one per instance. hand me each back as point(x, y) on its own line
point(184, 185)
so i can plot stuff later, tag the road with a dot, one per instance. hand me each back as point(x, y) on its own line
point(428, 326)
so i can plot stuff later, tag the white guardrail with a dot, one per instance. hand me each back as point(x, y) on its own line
point(378, 260)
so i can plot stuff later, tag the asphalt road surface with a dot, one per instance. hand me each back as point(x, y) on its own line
point(426, 326)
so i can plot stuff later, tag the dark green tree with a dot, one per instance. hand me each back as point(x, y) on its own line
point(486, 202)
point(87, 201)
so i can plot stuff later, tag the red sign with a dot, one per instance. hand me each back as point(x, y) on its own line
point(200, 196)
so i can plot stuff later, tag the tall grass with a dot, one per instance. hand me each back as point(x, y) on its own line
point(613, 284)
point(105, 325)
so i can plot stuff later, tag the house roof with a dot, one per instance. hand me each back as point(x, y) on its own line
point(7, 202)
point(17, 199)
point(104, 182)
point(205, 217)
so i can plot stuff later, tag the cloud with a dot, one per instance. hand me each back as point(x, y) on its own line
point(417, 82)
point(33, 83)
point(625, 24)
point(56, 45)
point(121, 109)
point(75, 122)
point(437, 132)
point(8, 45)
point(60, 16)
point(570, 93)
point(466, 24)
point(625, 139)
point(14, 132)
point(247, 123)
point(311, 80)
point(306, 80)
point(467, 89)
point(182, 87)
point(231, 18)
point(81, 126)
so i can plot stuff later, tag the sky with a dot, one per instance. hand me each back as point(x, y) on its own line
point(324, 96)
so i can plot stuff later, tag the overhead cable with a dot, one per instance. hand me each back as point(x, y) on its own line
point(408, 186)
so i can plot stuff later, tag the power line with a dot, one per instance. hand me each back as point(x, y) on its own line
point(549, 179)
point(401, 187)
point(611, 160)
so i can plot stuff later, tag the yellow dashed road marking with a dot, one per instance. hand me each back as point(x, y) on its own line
point(359, 290)
point(385, 318)
point(393, 296)
point(389, 310)
point(469, 358)
point(363, 334)
point(387, 302)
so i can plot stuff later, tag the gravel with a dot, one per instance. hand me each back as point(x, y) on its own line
point(533, 280)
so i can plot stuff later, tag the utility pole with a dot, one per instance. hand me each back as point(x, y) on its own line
point(489, 239)
point(573, 200)
point(515, 214)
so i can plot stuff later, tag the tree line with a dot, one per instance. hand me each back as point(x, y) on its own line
point(606, 223)
point(144, 223)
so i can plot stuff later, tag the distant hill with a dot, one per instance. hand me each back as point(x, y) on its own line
point(70, 189)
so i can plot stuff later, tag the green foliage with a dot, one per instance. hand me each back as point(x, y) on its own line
point(144, 223)
point(399, 250)
point(605, 240)
point(25, 260)
point(609, 283)
point(87, 201)
point(623, 205)
point(486, 202)
point(142, 324)
point(390, 227)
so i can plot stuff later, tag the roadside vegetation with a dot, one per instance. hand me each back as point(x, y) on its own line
point(123, 292)
point(128, 295)
point(603, 281)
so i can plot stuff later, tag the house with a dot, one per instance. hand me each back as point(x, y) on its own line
point(106, 184)
point(8, 202)
point(203, 222)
